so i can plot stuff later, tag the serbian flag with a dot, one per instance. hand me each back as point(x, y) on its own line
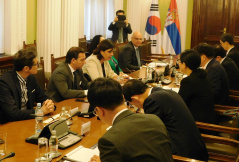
point(153, 28)
point(171, 33)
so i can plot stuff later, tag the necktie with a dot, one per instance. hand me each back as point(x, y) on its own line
point(75, 80)
point(138, 56)
point(120, 38)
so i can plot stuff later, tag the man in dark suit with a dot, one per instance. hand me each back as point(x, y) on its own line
point(227, 43)
point(132, 137)
point(229, 65)
point(19, 89)
point(216, 73)
point(130, 56)
point(120, 33)
point(66, 81)
point(185, 137)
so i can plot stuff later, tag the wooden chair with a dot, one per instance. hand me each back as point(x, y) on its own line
point(220, 148)
point(55, 62)
point(177, 158)
point(82, 43)
point(25, 46)
point(6, 64)
point(118, 48)
point(40, 76)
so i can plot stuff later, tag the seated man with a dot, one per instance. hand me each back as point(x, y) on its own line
point(229, 66)
point(19, 89)
point(66, 81)
point(133, 137)
point(130, 56)
point(215, 73)
point(185, 137)
point(226, 42)
point(120, 33)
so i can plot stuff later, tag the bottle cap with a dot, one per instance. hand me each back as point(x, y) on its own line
point(53, 132)
point(38, 104)
point(63, 108)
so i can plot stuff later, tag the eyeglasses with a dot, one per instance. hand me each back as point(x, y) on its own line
point(95, 112)
point(37, 64)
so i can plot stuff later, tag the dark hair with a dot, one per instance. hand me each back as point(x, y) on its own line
point(106, 93)
point(206, 49)
point(227, 37)
point(103, 46)
point(73, 52)
point(219, 51)
point(191, 58)
point(119, 11)
point(133, 87)
point(24, 58)
point(93, 45)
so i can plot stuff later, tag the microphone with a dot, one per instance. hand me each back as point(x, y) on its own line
point(77, 113)
point(133, 73)
point(11, 154)
point(34, 115)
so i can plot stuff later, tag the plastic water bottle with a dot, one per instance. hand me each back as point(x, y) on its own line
point(171, 61)
point(149, 73)
point(53, 144)
point(39, 120)
point(160, 84)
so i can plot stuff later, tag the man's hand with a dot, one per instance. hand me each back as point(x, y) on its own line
point(116, 19)
point(95, 158)
point(48, 106)
point(126, 21)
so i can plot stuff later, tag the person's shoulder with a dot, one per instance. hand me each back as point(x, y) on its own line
point(8, 76)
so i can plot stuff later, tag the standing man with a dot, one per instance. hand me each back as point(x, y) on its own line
point(215, 73)
point(130, 56)
point(66, 81)
point(227, 43)
point(132, 137)
point(120, 31)
point(19, 89)
point(185, 137)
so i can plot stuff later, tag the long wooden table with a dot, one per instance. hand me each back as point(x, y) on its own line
point(18, 131)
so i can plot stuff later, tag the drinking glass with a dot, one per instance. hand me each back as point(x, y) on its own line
point(42, 150)
point(3, 143)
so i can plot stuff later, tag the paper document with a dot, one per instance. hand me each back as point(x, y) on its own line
point(158, 64)
point(82, 154)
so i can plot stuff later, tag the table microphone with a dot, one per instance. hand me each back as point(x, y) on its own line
point(11, 154)
point(77, 113)
point(133, 73)
point(34, 115)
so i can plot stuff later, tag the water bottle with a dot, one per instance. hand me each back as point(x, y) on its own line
point(149, 73)
point(160, 84)
point(171, 61)
point(39, 120)
point(53, 144)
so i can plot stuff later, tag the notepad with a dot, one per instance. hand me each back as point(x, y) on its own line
point(82, 154)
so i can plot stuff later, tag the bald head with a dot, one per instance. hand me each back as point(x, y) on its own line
point(136, 39)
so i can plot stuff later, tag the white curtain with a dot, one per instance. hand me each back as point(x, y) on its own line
point(138, 19)
point(98, 15)
point(1, 26)
point(14, 25)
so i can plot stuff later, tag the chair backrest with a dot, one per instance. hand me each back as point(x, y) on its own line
point(118, 47)
point(40, 76)
point(177, 158)
point(55, 62)
point(25, 46)
point(220, 148)
point(6, 64)
point(82, 43)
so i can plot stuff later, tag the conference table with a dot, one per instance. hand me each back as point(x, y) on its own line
point(18, 131)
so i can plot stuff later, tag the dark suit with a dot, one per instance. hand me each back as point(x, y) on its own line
point(10, 97)
point(127, 30)
point(234, 55)
point(135, 138)
point(127, 57)
point(185, 137)
point(220, 84)
point(198, 95)
point(60, 86)
point(232, 73)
